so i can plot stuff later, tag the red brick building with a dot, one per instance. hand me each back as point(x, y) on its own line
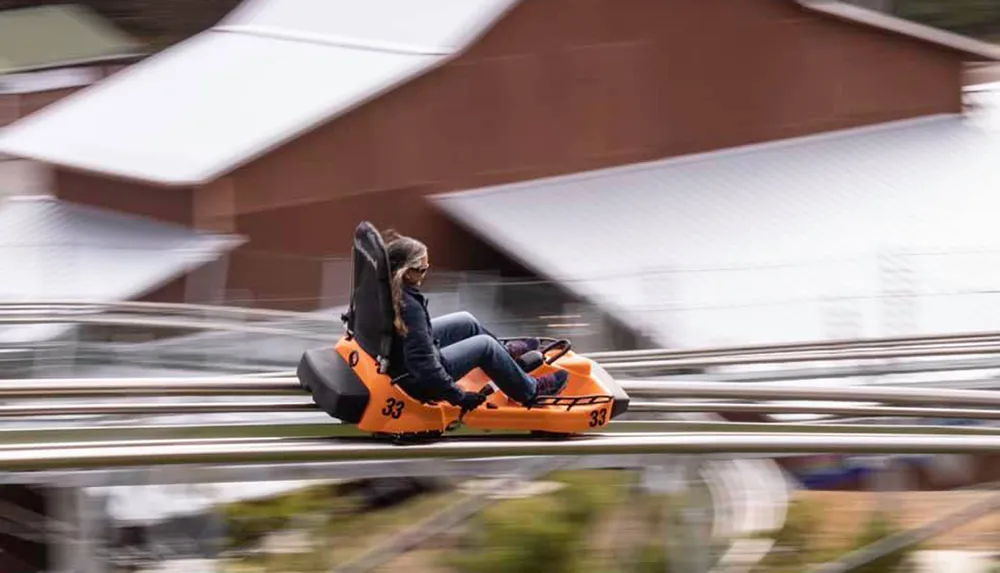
point(289, 128)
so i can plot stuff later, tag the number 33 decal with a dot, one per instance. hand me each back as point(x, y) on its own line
point(393, 408)
point(598, 417)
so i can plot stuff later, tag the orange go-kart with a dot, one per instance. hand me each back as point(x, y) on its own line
point(350, 381)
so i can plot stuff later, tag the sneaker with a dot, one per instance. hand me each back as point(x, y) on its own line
point(552, 384)
point(516, 348)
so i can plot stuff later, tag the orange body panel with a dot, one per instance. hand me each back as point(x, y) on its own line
point(392, 411)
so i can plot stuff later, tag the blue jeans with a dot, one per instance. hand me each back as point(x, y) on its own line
point(466, 344)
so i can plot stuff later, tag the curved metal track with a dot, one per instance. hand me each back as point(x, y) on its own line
point(139, 433)
point(134, 408)
point(167, 322)
point(288, 451)
point(209, 386)
point(92, 307)
point(824, 409)
point(646, 388)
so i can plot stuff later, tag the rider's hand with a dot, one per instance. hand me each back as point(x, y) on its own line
point(468, 400)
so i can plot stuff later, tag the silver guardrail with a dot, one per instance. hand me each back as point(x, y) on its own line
point(885, 394)
point(157, 308)
point(637, 407)
point(886, 367)
point(841, 345)
point(67, 388)
point(659, 407)
point(207, 386)
point(186, 323)
point(201, 386)
point(227, 318)
point(152, 408)
point(140, 408)
point(857, 369)
point(612, 362)
point(240, 451)
point(81, 434)
point(819, 356)
point(247, 313)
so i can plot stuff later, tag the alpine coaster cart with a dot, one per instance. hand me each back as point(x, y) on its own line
point(349, 381)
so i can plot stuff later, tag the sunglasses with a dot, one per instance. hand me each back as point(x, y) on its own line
point(422, 270)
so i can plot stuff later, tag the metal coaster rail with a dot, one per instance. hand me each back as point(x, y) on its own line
point(91, 307)
point(261, 393)
point(646, 388)
point(121, 408)
point(82, 435)
point(650, 407)
point(301, 450)
point(832, 346)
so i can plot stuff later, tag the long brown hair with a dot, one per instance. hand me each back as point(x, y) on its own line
point(404, 254)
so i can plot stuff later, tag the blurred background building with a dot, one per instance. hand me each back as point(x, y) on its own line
point(239, 130)
point(627, 173)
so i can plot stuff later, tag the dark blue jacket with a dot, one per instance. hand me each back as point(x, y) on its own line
point(418, 353)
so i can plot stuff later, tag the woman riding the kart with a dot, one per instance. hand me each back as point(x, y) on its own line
point(437, 352)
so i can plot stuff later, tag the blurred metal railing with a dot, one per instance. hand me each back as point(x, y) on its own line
point(85, 307)
point(185, 323)
point(81, 434)
point(243, 451)
point(74, 388)
point(886, 394)
point(818, 409)
point(637, 407)
point(847, 345)
point(711, 361)
point(240, 319)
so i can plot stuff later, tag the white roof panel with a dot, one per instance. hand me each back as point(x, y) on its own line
point(272, 70)
point(428, 26)
point(204, 106)
point(774, 242)
point(56, 251)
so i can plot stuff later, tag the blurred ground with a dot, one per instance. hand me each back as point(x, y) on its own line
point(841, 515)
point(847, 509)
point(613, 529)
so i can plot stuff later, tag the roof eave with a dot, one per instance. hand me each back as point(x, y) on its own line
point(852, 13)
point(120, 174)
point(103, 59)
point(215, 172)
point(208, 175)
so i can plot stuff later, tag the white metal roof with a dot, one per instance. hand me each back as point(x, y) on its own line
point(773, 242)
point(46, 80)
point(440, 27)
point(52, 250)
point(269, 71)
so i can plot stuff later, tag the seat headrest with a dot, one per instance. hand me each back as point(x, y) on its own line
point(370, 315)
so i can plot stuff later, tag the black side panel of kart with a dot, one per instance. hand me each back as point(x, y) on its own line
point(334, 385)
